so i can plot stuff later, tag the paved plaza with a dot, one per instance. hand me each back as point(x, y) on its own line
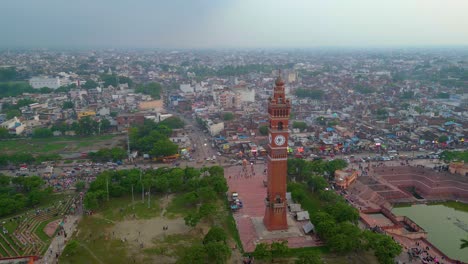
point(249, 219)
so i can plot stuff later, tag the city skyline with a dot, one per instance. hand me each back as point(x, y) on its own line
point(233, 24)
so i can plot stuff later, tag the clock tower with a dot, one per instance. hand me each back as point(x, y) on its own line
point(279, 109)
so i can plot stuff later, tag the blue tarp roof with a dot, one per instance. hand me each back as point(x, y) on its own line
point(451, 123)
point(330, 129)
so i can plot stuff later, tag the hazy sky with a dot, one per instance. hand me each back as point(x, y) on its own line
point(232, 23)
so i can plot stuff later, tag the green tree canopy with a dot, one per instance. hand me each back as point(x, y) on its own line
point(172, 122)
point(42, 133)
point(263, 130)
point(227, 116)
point(68, 105)
point(309, 93)
point(153, 89)
point(299, 125)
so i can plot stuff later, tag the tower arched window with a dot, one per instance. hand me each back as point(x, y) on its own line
point(280, 126)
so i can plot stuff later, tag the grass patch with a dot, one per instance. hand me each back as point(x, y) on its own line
point(96, 245)
point(3, 252)
point(176, 244)
point(11, 226)
point(51, 145)
point(294, 252)
point(117, 209)
point(232, 230)
point(179, 208)
point(40, 230)
point(459, 206)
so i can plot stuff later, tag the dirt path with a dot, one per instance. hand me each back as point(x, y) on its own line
point(164, 202)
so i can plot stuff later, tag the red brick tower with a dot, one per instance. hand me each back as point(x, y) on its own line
point(278, 114)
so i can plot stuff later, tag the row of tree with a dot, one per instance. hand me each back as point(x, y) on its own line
point(309, 93)
point(86, 126)
point(26, 158)
point(335, 222)
point(106, 154)
point(301, 170)
point(162, 180)
point(17, 193)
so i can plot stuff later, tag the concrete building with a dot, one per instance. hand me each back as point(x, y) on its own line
point(14, 126)
point(215, 128)
point(39, 82)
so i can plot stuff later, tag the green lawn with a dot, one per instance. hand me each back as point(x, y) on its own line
point(119, 208)
point(40, 230)
point(178, 208)
point(52, 145)
point(95, 244)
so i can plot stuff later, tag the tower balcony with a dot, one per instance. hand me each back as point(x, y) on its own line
point(275, 205)
point(279, 156)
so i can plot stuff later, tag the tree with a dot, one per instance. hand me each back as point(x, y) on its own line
point(381, 113)
point(207, 210)
point(335, 165)
point(343, 212)
point(464, 243)
point(153, 89)
point(385, 248)
point(262, 251)
point(12, 113)
point(217, 252)
point(4, 133)
point(216, 234)
point(312, 94)
point(68, 105)
point(299, 125)
point(163, 148)
point(228, 116)
point(105, 125)
point(192, 219)
point(279, 249)
point(80, 186)
point(86, 126)
point(263, 130)
point(7, 74)
point(90, 84)
point(316, 183)
point(42, 133)
point(172, 122)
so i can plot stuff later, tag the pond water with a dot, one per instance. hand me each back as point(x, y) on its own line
point(445, 226)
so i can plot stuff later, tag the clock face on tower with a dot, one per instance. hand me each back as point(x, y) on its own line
point(280, 140)
point(269, 138)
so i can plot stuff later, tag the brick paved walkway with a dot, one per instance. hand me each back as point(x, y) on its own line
point(252, 193)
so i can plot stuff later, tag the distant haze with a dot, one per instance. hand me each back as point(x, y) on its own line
point(232, 23)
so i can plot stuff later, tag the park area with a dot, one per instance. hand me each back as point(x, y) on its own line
point(31, 231)
point(58, 145)
point(170, 223)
